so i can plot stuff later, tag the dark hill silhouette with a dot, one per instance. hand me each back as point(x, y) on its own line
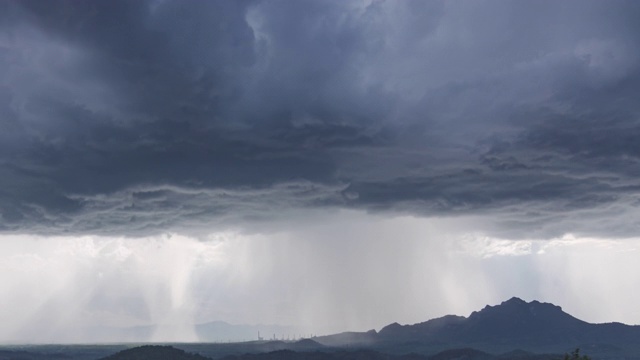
point(300, 345)
point(317, 355)
point(516, 319)
point(513, 320)
point(462, 354)
point(306, 345)
point(155, 352)
point(365, 354)
point(514, 324)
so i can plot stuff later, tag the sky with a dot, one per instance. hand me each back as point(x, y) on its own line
point(329, 165)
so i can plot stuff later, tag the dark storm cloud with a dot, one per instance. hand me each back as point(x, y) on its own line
point(133, 117)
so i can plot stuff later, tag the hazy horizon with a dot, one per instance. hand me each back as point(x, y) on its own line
point(322, 164)
point(214, 331)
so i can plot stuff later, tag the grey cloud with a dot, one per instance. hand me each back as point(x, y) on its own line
point(524, 111)
point(139, 211)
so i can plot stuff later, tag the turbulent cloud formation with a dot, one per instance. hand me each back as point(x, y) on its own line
point(331, 165)
point(137, 117)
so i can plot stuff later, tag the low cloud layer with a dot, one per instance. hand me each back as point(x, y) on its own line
point(140, 117)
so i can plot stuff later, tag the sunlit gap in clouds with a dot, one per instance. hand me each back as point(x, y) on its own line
point(347, 271)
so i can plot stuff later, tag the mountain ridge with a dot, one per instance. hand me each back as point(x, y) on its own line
point(513, 324)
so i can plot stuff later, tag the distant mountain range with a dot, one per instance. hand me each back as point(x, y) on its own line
point(515, 329)
point(514, 324)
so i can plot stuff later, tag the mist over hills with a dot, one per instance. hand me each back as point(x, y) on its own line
point(223, 331)
point(213, 331)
